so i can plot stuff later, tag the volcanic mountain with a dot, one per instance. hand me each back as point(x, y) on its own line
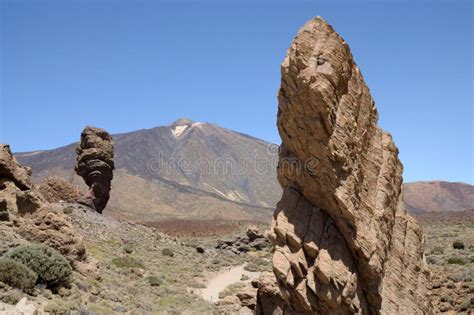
point(183, 170)
point(196, 170)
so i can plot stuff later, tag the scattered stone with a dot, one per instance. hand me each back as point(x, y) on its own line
point(23, 307)
point(138, 272)
point(254, 240)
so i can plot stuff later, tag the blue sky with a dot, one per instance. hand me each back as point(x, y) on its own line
point(127, 65)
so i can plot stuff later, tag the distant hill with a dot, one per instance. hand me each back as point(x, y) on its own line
point(199, 170)
point(438, 196)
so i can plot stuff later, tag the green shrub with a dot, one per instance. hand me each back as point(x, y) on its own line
point(128, 248)
point(49, 265)
point(17, 275)
point(127, 262)
point(258, 264)
point(68, 210)
point(155, 281)
point(458, 245)
point(456, 261)
point(167, 252)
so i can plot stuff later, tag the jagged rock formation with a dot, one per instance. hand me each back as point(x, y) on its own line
point(28, 216)
point(344, 243)
point(95, 163)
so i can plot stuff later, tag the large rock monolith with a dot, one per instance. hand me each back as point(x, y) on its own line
point(95, 164)
point(344, 243)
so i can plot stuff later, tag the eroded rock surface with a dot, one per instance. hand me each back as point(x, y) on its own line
point(344, 242)
point(29, 217)
point(95, 164)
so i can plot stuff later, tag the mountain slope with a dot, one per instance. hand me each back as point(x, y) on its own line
point(438, 196)
point(200, 169)
point(207, 157)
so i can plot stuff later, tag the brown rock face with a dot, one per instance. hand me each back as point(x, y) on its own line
point(55, 189)
point(344, 243)
point(34, 219)
point(95, 163)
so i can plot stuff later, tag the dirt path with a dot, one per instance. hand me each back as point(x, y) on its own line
point(223, 279)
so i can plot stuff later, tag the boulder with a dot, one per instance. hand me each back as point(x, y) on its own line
point(344, 243)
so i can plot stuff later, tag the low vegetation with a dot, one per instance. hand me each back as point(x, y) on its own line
point(154, 281)
point(127, 262)
point(167, 252)
point(17, 275)
point(458, 245)
point(456, 261)
point(48, 264)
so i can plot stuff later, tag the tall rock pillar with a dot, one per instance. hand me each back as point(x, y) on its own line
point(344, 243)
point(95, 163)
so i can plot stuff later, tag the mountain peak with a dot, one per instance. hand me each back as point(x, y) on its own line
point(182, 122)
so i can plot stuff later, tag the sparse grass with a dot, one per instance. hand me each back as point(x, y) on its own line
point(437, 250)
point(258, 264)
point(231, 289)
point(127, 262)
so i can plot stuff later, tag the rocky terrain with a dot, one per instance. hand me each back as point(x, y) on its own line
point(187, 227)
point(137, 265)
point(117, 266)
point(344, 243)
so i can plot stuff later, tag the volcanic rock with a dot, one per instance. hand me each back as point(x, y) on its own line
point(254, 239)
point(95, 163)
point(344, 242)
point(55, 189)
point(34, 219)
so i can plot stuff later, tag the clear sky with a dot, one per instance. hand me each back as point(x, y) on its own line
point(127, 65)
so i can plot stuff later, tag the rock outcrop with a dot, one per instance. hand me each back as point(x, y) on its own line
point(31, 218)
point(344, 243)
point(55, 189)
point(253, 241)
point(95, 164)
